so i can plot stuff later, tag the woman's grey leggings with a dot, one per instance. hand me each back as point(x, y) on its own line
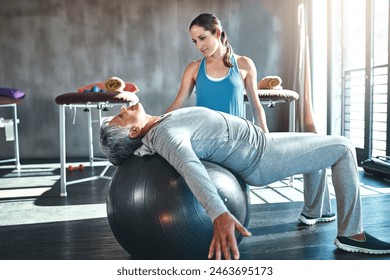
point(311, 156)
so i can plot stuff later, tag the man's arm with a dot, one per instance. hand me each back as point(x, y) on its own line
point(179, 153)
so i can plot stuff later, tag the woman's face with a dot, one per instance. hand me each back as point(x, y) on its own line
point(204, 41)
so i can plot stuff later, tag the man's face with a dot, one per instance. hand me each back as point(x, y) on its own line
point(128, 116)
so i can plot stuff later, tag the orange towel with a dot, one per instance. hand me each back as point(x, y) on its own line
point(102, 85)
point(114, 84)
point(270, 82)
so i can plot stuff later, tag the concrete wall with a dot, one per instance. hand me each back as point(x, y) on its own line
point(49, 47)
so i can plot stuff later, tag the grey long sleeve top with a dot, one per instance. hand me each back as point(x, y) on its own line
point(185, 136)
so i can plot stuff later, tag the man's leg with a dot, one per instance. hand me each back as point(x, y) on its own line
point(317, 206)
point(287, 154)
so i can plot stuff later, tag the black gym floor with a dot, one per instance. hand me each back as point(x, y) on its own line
point(37, 224)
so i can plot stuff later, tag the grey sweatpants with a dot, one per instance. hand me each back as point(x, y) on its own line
point(312, 155)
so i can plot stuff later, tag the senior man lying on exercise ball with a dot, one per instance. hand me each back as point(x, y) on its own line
point(185, 136)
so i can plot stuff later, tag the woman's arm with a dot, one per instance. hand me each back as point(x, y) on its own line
point(249, 75)
point(186, 87)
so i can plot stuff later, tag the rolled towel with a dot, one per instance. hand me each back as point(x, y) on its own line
point(270, 82)
point(128, 87)
point(114, 84)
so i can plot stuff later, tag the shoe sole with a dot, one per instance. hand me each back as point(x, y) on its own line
point(354, 249)
point(311, 222)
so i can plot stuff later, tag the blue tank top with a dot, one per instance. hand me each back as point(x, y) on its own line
point(225, 95)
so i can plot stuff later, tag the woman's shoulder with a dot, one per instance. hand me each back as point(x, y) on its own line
point(244, 62)
point(194, 63)
point(193, 67)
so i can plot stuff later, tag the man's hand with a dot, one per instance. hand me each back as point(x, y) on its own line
point(224, 241)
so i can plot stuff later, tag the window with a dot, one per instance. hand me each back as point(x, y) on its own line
point(365, 74)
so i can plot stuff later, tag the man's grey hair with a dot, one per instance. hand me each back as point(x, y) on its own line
point(115, 142)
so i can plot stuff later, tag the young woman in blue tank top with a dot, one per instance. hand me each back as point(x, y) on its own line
point(225, 94)
point(221, 77)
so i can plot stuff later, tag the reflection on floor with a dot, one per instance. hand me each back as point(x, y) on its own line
point(281, 191)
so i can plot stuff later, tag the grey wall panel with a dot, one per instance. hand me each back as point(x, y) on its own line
point(48, 47)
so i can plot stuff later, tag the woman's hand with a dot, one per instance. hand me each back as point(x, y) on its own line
point(224, 241)
point(127, 96)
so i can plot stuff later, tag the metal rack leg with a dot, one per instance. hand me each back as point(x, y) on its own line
point(292, 116)
point(291, 129)
point(16, 142)
point(90, 138)
point(62, 150)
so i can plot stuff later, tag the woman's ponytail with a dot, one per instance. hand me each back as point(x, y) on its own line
point(229, 52)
